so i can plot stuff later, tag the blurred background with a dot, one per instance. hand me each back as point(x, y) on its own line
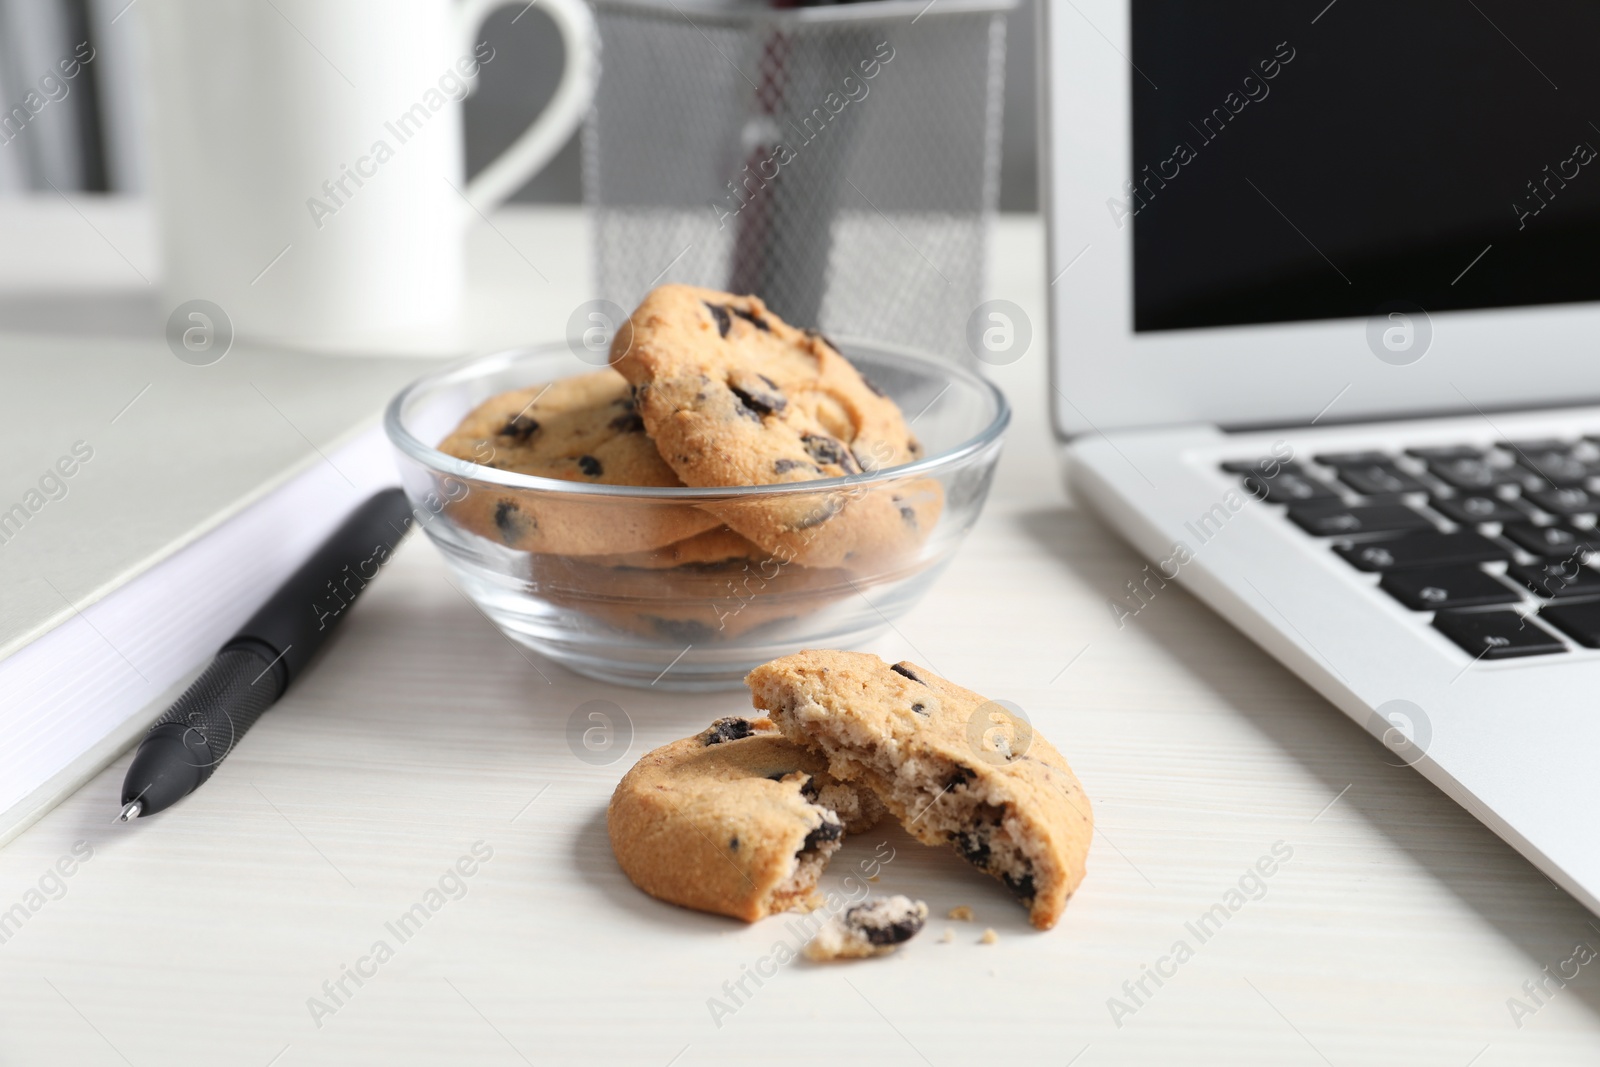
point(91, 140)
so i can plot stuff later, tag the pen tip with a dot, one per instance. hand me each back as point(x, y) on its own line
point(130, 811)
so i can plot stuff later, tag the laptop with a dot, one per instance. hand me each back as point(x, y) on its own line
point(1324, 310)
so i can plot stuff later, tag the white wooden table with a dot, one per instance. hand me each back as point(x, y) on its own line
point(1398, 930)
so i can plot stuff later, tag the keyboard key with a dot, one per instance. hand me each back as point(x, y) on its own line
point(1558, 468)
point(1565, 500)
point(1581, 622)
point(1326, 520)
point(1432, 588)
point(1291, 486)
point(1541, 444)
point(1421, 550)
point(1472, 472)
point(1582, 449)
point(1267, 465)
point(1556, 578)
point(1379, 479)
point(1470, 509)
point(1446, 452)
point(1532, 483)
point(1557, 540)
point(1496, 634)
point(1352, 459)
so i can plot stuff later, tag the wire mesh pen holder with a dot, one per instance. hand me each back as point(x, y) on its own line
point(841, 162)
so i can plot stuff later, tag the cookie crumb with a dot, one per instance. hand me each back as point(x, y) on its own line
point(962, 912)
point(949, 936)
point(989, 937)
point(872, 928)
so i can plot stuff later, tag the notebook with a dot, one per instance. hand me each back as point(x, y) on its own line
point(147, 507)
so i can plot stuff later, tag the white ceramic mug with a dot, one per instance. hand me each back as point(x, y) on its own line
point(307, 160)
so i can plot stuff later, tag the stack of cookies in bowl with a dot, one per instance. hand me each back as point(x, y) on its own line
point(727, 479)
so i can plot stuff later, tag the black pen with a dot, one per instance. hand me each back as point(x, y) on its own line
point(254, 668)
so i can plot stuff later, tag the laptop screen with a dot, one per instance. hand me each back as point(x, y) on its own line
point(1295, 161)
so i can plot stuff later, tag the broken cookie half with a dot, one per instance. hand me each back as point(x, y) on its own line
point(953, 767)
point(735, 820)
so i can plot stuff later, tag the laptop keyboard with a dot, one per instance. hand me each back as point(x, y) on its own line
point(1493, 543)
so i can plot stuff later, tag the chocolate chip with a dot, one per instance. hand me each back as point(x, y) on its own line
point(509, 520)
point(753, 319)
point(825, 831)
point(828, 510)
point(920, 709)
point(628, 423)
point(909, 516)
point(720, 313)
point(590, 466)
point(822, 449)
point(960, 776)
point(731, 728)
point(895, 933)
point(784, 466)
point(1021, 887)
point(761, 399)
point(809, 790)
point(733, 842)
point(519, 428)
point(825, 449)
point(973, 846)
point(905, 672)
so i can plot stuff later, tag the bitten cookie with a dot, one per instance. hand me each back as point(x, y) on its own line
point(583, 429)
point(954, 767)
point(733, 395)
point(735, 820)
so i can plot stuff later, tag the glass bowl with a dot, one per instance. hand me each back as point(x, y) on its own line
point(689, 588)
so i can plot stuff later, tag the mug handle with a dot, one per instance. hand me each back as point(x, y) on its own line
point(545, 136)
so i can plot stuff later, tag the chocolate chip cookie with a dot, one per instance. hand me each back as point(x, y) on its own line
point(955, 768)
point(712, 588)
point(585, 429)
point(735, 820)
point(719, 545)
point(735, 396)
